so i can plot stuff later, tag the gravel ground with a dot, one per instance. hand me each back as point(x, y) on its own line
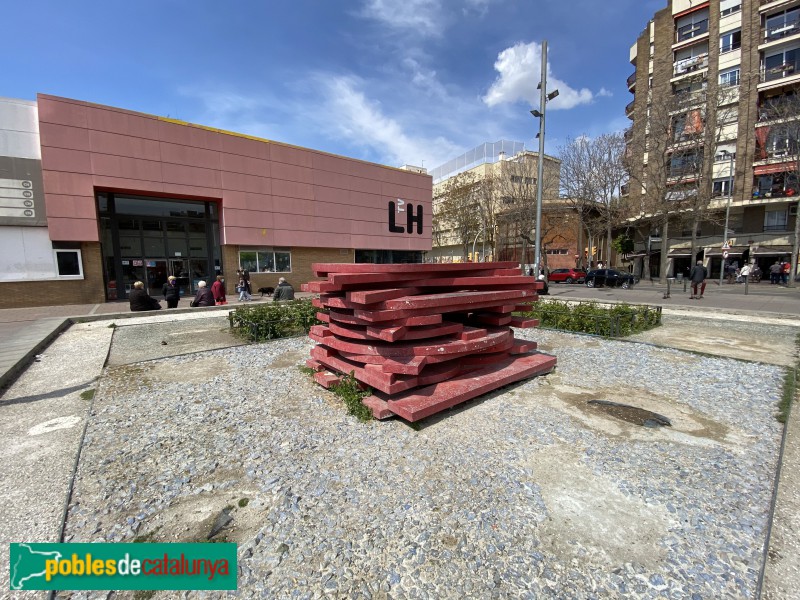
point(528, 492)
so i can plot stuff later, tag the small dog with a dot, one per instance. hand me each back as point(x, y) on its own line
point(266, 290)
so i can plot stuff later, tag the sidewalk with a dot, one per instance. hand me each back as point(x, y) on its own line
point(763, 299)
point(28, 331)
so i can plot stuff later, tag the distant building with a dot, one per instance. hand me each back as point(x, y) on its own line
point(94, 198)
point(503, 205)
point(729, 71)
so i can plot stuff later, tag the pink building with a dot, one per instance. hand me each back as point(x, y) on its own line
point(116, 196)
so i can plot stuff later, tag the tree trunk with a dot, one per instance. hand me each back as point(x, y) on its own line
point(662, 268)
point(608, 243)
point(693, 252)
point(795, 258)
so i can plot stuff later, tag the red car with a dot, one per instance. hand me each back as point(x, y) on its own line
point(566, 276)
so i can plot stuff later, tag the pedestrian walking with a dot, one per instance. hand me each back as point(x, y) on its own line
point(698, 278)
point(775, 272)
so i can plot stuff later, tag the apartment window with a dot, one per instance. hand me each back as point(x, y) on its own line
point(724, 155)
point(556, 251)
point(775, 220)
point(692, 25)
point(781, 65)
point(782, 24)
point(68, 263)
point(728, 7)
point(520, 179)
point(266, 260)
point(721, 187)
point(730, 40)
point(729, 77)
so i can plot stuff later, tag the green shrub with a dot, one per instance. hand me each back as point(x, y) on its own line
point(273, 320)
point(618, 320)
point(349, 390)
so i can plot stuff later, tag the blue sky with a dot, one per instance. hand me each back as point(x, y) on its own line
point(389, 81)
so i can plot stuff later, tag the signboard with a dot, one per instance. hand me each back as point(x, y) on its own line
point(21, 187)
point(724, 254)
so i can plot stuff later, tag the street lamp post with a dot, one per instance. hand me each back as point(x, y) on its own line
point(543, 98)
point(727, 214)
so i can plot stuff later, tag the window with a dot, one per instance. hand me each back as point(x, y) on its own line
point(692, 25)
point(775, 220)
point(729, 77)
point(781, 65)
point(266, 260)
point(721, 187)
point(520, 179)
point(782, 24)
point(728, 7)
point(556, 251)
point(730, 40)
point(68, 263)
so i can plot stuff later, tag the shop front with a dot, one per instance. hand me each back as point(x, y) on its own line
point(148, 239)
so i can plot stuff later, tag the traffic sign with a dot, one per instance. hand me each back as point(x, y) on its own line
point(726, 245)
point(725, 254)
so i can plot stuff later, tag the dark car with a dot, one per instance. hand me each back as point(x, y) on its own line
point(610, 278)
point(566, 276)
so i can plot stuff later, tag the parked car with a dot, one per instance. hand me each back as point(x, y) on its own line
point(610, 278)
point(567, 276)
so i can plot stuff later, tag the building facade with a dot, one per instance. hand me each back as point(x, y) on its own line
point(495, 185)
point(94, 198)
point(713, 119)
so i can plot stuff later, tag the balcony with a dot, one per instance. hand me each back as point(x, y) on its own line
point(629, 109)
point(690, 31)
point(780, 71)
point(632, 81)
point(689, 65)
point(780, 152)
point(627, 135)
point(778, 32)
point(773, 4)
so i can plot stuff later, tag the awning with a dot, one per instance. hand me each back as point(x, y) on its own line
point(772, 250)
point(680, 252)
point(783, 167)
point(732, 251)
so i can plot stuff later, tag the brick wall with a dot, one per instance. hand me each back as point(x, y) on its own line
point(88, 290)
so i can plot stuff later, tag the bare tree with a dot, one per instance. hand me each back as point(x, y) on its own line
point(516, 188)
point(457, 219)
point(675, 184)
point(592, 174)
point(778, 143)
point(488, 204)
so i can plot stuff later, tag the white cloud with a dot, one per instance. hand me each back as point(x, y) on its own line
point(351, 115)
point(604, 93)
point(422, 16)
point(520, 72)
point(426, 80)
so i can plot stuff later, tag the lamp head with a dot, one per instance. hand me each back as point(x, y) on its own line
point(552, 94)
point(536, 113)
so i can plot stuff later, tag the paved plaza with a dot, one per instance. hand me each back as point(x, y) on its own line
point(526, 492)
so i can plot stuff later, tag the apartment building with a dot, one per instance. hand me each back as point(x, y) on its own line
point(714, 136)
point(494, 215)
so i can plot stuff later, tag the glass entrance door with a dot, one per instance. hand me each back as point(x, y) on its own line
point(156, 274)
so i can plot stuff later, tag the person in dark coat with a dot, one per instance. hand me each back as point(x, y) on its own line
point(698, 278)
point(140, 300)
point(284, 291)
point(204, 297)
point(171, 292)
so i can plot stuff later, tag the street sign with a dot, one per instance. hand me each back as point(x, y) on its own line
point(725, 254)
point(726, 245)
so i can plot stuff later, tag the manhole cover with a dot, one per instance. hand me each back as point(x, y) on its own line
point(632, 414)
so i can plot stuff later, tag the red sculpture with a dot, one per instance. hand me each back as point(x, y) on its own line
point(424, 337)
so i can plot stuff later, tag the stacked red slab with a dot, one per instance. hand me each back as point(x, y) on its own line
point(424, 337)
